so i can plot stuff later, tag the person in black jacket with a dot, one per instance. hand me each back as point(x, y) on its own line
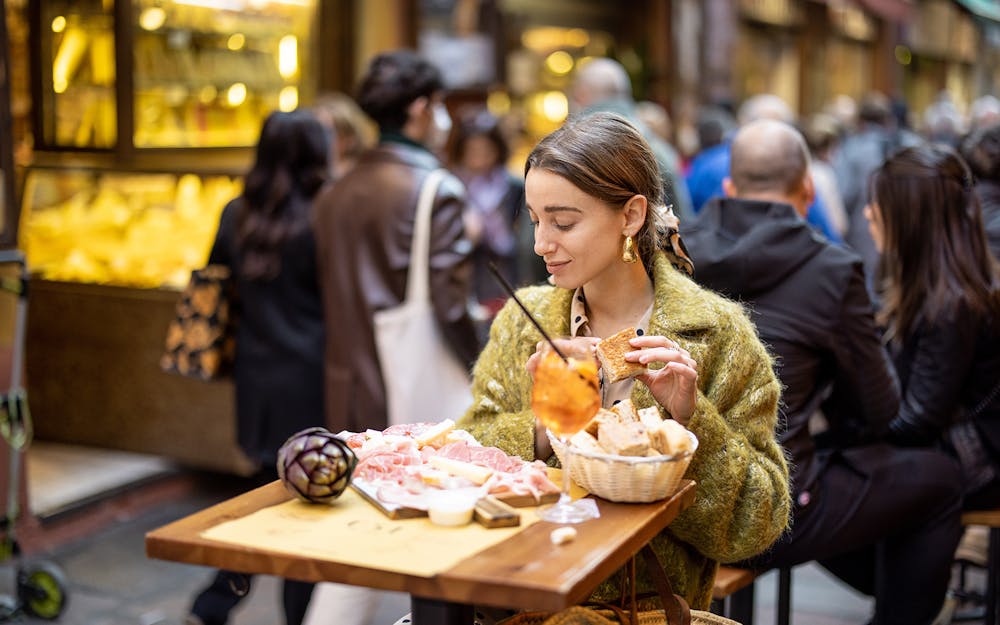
point(941, 311)
point(265, 237)
point(809, 302)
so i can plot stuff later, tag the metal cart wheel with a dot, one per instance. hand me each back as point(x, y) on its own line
point(42, 591)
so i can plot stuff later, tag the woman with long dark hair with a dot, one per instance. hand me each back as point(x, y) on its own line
point(941, 311)
point(265, 236)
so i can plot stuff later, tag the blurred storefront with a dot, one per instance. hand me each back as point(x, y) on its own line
point(939, 49)
point(135, 121)
point(808, 52)
point(516, 57)
point(132, 122)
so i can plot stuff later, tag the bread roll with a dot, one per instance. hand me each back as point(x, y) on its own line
point(625, 411)
point(586, 442)
point(650, 417)
point(670, 438)
point(602, 414)
point(623, 439)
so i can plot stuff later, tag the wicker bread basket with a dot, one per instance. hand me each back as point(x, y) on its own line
point(635, 479)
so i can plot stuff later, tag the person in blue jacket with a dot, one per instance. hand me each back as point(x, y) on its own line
point(710, 167)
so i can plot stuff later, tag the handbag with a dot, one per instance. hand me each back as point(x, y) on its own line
point(424, 380)
point(675, 609)
point(201, 339)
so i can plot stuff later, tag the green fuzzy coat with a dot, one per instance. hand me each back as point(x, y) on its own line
point(742, 503)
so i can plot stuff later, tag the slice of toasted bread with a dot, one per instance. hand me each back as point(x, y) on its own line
point(611, 353)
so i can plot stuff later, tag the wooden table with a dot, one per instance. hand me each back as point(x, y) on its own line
point(525, 571)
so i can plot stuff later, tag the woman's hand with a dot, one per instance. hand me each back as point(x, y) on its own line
point(675, 386)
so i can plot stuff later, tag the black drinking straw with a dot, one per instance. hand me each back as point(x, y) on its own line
point(510, 291)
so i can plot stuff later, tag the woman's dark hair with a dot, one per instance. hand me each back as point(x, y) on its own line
point(604, 156)
point(393, 81)
point(479, 124)
point(935, 256)
point(291, 164)
point(981, 149)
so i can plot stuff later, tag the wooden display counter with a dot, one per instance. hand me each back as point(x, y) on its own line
point(93, 378)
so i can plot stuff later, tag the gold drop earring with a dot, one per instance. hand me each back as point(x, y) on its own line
point(628, 250)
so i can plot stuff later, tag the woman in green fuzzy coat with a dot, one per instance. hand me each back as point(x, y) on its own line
point(595, 196)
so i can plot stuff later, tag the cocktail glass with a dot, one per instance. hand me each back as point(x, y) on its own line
point(565, 397)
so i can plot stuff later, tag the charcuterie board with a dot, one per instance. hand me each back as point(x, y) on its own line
point(395, 511)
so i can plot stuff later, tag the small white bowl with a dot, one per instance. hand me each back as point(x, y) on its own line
point(450, 508)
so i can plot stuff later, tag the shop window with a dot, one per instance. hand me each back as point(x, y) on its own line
point(207, 72)
point(78, 74)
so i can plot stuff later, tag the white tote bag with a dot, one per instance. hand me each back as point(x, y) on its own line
point(424, 379)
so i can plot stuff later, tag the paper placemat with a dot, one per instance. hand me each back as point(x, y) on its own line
point(352, 531)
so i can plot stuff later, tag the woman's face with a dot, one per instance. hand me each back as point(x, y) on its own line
point(577, 235)
point(875, 225)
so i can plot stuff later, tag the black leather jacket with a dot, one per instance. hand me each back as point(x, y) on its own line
point(988, 192)
point(948, 369)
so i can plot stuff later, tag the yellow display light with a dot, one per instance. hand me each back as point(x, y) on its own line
point(207, 94)
point(288, 56)
point(59, 23)
point(577, 37)
point(288, 98)
point(71, 50)
point(152, 18)
point(498, 103)
point(242, 5)
point(546, 38)
point(555, 106)
point(559, 63)
point(236, 41)
point(236, 94)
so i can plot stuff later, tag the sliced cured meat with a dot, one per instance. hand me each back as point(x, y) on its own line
point(401, 470)
point(408, 429)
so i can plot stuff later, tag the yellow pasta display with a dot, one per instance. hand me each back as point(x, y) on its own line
point(140, 230)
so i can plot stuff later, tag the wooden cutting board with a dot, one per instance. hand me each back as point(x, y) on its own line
point(396, 511)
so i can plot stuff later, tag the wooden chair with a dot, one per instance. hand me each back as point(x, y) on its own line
point(732, 594)
point(991, 520)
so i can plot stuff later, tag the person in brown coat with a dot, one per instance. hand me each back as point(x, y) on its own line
point(364, 225)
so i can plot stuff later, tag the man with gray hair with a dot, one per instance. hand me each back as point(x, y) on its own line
point(602, 84)
point(808, 300)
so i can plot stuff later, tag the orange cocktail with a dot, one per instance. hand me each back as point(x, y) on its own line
point(565, 396)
